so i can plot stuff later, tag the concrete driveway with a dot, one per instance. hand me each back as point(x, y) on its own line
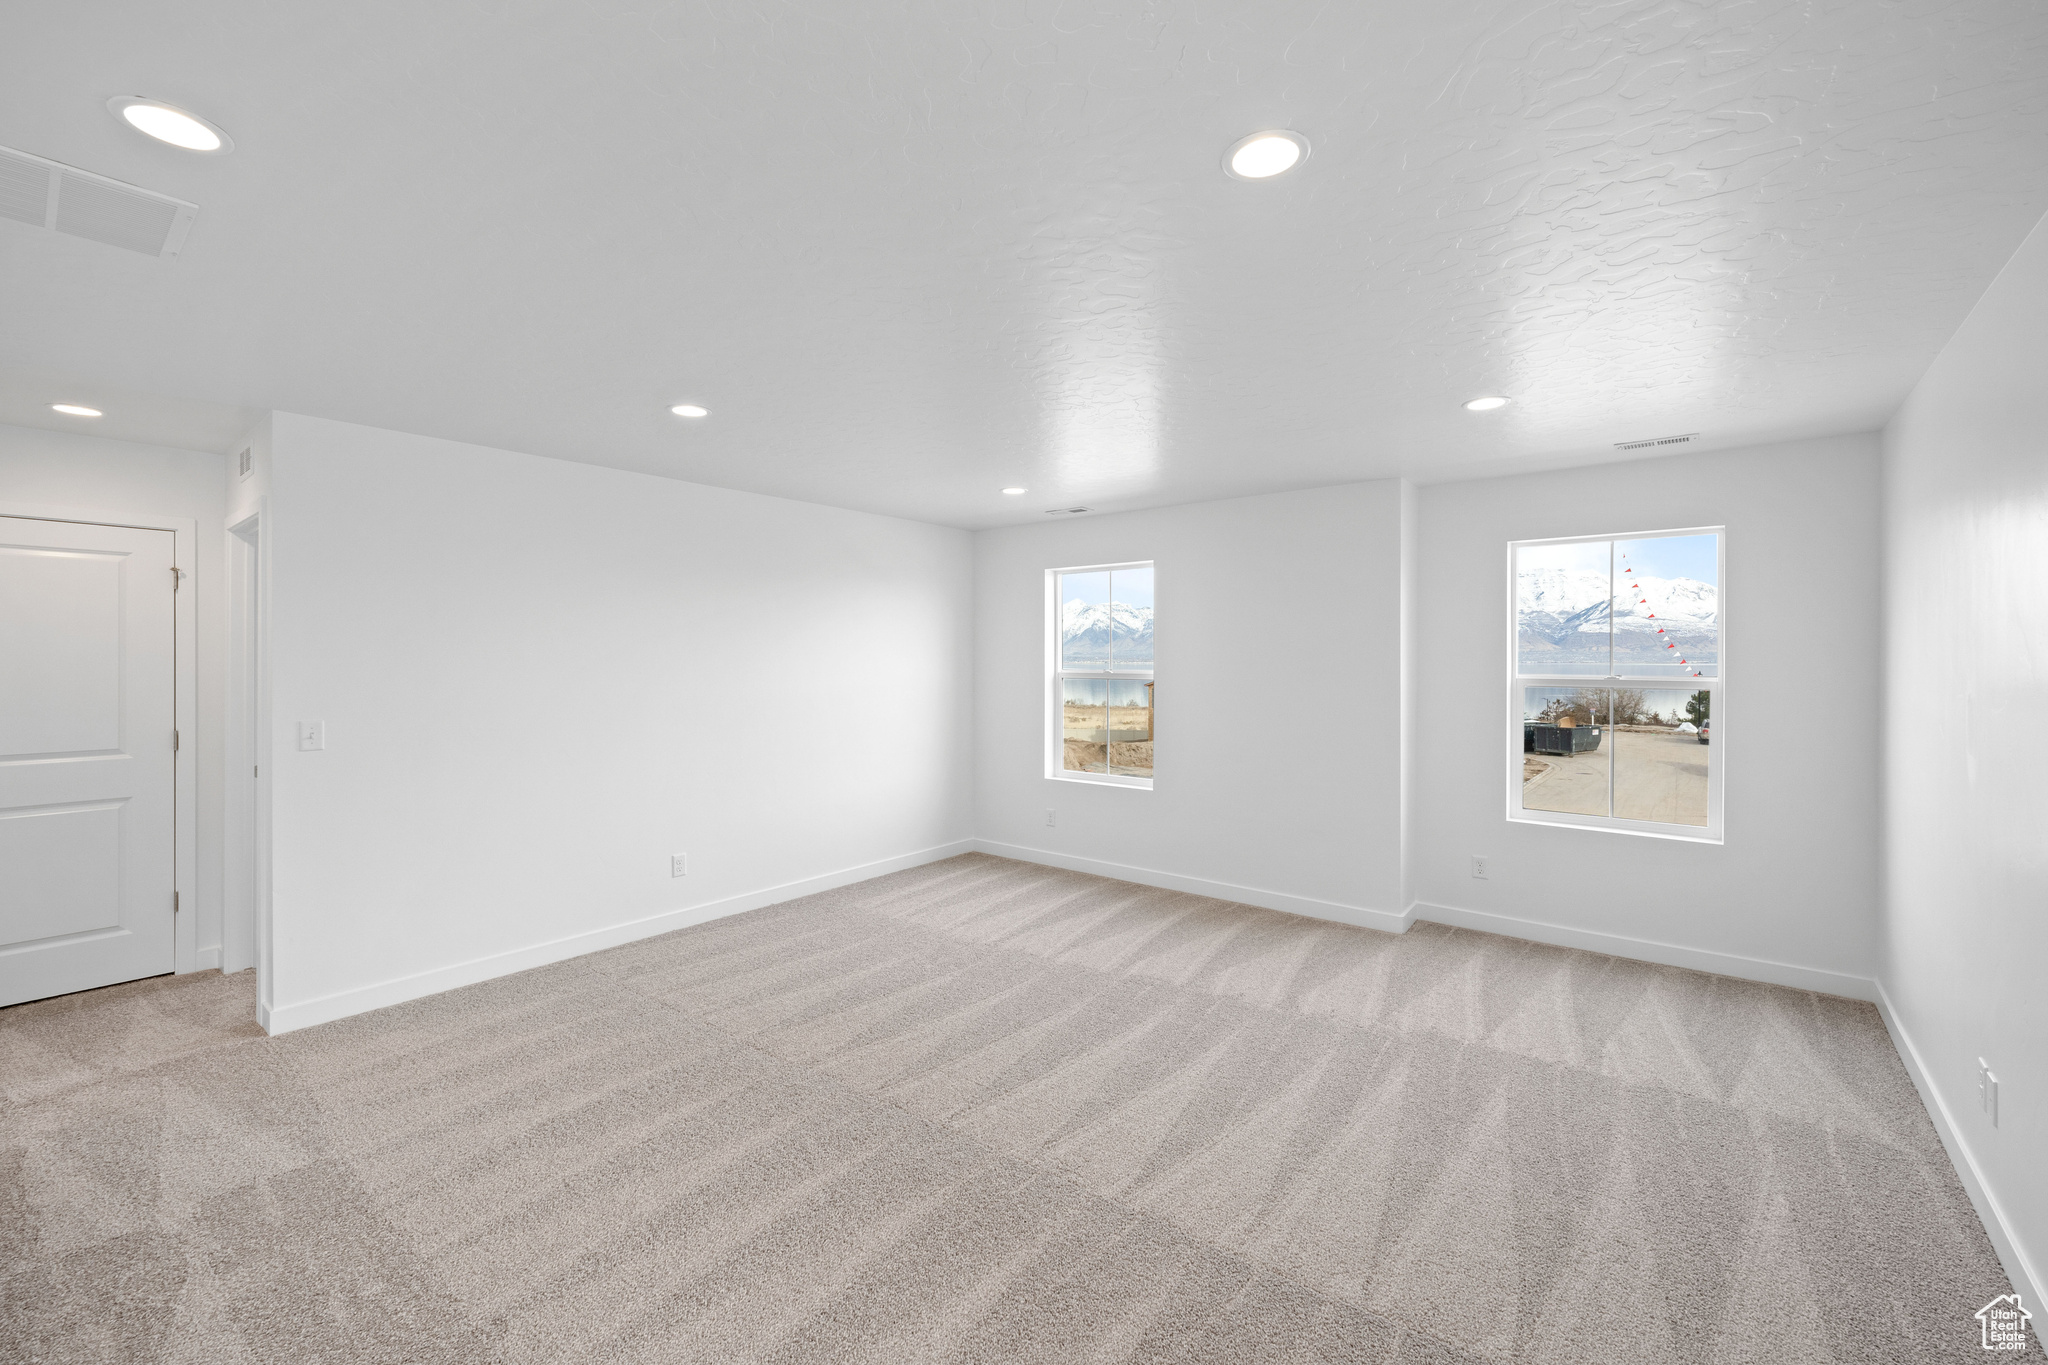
point(1658, 775)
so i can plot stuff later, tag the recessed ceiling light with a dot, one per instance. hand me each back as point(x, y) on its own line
point(1013, 492)
point(690, 410)
point(168, 123)
point(73, 410)
point(1486, 404)
point(1265, 155)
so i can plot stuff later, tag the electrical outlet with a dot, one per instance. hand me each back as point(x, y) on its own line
point(1481, 866)
point(312, 734)
point(1987, 1091)
point(1052, 818)
point(678, 864)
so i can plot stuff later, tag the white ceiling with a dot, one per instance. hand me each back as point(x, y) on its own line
point(911, 253)
point(26, 392)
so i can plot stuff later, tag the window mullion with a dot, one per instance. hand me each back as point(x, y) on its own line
point(1613, 736)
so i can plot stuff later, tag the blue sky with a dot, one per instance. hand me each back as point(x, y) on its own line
point(1671, 557)
point(1585, 554)
point(1133, 587)
point(1659, 556)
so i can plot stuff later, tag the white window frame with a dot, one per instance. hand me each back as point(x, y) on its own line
point(1715, 687)
point(1055, 721)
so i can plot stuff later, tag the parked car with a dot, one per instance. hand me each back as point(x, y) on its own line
point(1703, 730)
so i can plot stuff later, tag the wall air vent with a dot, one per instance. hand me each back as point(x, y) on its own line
point(50, 194)
point(1656, 441)
point(1067, 511)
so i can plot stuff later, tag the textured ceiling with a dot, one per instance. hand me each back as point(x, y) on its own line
point(911, 253)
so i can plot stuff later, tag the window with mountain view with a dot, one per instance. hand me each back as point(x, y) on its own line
point(1102, 684)
point(1616, 683)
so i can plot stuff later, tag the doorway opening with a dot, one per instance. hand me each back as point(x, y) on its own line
point(245, 900)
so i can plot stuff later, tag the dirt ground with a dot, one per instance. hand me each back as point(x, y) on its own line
point(1127, 758)
point(1658, 775)
point(1132, 760)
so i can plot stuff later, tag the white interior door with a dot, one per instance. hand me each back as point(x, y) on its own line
point(88, 772)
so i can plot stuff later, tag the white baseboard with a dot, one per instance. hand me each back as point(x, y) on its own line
point(1201, 886)
point(2018, 1268)
point(305, 1013)
point(1649, 950)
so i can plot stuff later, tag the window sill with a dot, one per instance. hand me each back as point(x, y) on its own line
point(1687, 834)
point(1143, 784)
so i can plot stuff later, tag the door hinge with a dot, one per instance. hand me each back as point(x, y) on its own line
point(174, 902)
point(175, 741)
point(177, 578)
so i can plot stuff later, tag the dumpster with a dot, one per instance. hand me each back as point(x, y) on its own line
point(1560, 739)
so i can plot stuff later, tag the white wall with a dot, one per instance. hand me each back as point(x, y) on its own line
point(1792, 894)
point(1965, 928)
point(541, 678)
point(1261, 602)
point(245, 494)
point(70, 472)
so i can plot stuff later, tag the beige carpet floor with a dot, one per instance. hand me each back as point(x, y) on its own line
point(987, 1111)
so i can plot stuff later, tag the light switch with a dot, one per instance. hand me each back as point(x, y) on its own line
point(312, 734)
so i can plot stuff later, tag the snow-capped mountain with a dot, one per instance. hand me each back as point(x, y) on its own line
point(1566, 611)
point(1088, 628)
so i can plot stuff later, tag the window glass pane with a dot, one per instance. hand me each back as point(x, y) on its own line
point(1130, 727)
point(1564, 763)
point(1667, 610)
point(1084, 620)
point(1660, 765)
point(1130, 611)
point(1084, 722)
point(1561, 615)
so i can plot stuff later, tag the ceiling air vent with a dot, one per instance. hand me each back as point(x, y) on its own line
point(1067, 511)
point(50, 194)
point(1655, 441)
